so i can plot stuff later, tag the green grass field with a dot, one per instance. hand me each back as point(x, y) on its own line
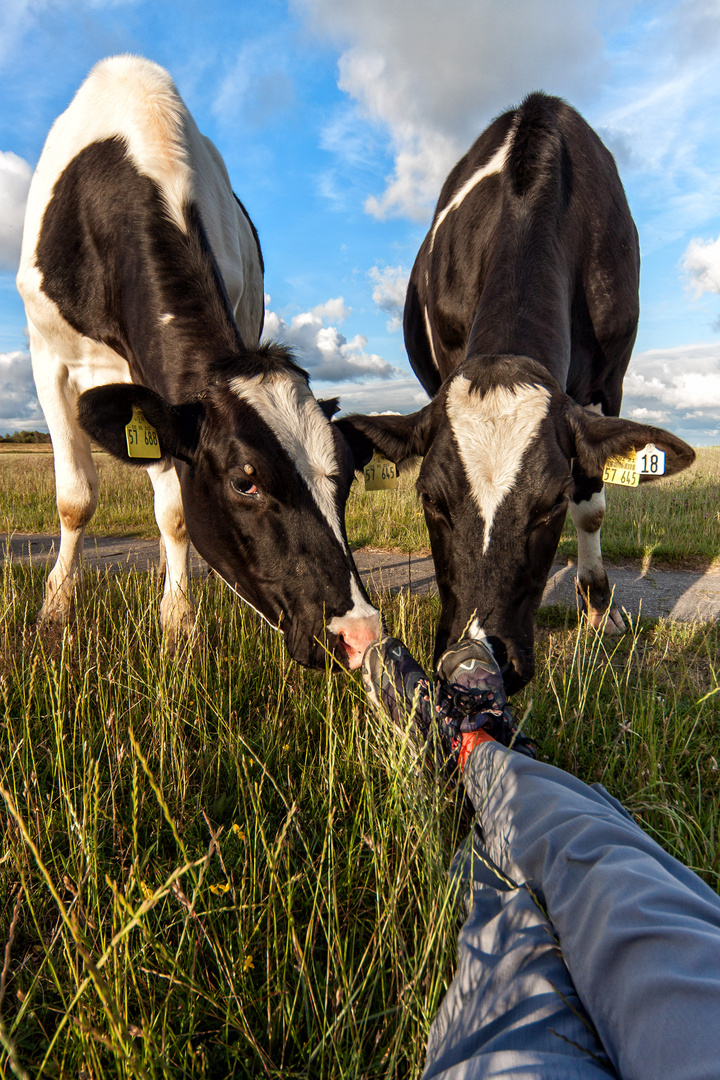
point(220, 864)
point(672, 522)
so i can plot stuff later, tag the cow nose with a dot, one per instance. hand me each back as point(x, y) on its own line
point(354, 635)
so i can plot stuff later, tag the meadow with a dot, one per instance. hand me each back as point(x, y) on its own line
point(218, 863)
point(674, 522)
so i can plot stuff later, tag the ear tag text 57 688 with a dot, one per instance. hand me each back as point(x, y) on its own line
point(626, 471)
point(380, 474)
point(142, 438)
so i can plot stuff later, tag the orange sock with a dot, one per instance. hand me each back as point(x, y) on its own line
point(470, 739)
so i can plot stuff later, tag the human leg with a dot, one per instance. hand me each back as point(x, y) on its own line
point(511, 1008)
point(639, 932)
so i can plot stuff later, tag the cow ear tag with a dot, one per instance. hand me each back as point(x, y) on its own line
point(622, 471)
point(380, 474)
point(627, 471)
point(142, 438)
point(650, 461)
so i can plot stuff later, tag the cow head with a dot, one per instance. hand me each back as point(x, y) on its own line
point(497, 444)
point(264, 477)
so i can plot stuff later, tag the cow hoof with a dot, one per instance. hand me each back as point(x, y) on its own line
point(51, 618)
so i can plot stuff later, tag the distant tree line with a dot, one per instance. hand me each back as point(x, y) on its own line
point(26, 437)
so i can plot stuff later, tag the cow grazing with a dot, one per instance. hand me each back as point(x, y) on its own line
point(142, 278)
point(520, 318)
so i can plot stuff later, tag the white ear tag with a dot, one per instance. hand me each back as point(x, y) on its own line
point(650, 461)
point(142, 438)
point(380, 474)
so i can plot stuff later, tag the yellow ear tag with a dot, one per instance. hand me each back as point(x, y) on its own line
point(142, 438)
point(380, 474)
point(622, 471)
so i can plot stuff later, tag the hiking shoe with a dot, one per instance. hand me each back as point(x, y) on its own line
point(470, 698)
point(396, 684)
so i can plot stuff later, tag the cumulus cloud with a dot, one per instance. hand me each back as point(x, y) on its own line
point(701, 263)
point(676, 388)
point(15, 175)
point(389, 288)
point(322, 348)
point(402, 395)
point(433, 78)
point(19, 406)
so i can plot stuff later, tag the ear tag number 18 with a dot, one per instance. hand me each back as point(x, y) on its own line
point(142, 438)
point(380, 474)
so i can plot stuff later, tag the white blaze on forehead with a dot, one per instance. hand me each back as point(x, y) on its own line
point(493, 431)
point(285, 403)
point(494, 165)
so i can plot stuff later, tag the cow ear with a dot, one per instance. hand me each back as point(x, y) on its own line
point(329, 406)
point(105, 411)
point(597, 438)
point(397, 437)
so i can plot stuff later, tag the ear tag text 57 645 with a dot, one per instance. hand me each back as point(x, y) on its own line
point(380, 474)
point(626, 471)
point(142, 438)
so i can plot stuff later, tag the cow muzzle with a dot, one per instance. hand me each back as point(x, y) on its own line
point(353, 635)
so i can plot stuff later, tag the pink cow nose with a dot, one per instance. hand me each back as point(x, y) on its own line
point(355, 634)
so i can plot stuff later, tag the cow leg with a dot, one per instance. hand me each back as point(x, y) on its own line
point(177, 607)
point(76, 480)
point(587, 509)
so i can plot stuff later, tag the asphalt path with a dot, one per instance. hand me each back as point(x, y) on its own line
point(675, 594)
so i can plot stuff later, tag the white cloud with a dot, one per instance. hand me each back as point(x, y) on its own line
point(257, 87)
point(389, 288)
point(322, 349)
point(402, 395)
point(677, 388)
point(433, 76)
point(15, 175)
point(701, 263)
point(19, 406)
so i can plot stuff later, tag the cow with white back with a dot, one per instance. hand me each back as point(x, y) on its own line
point(142, 278)
point(520, 318)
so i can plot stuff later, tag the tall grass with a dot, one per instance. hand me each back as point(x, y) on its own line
point(671, 522)
point(220, 864)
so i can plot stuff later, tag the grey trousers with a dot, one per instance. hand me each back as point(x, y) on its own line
point(588, 952)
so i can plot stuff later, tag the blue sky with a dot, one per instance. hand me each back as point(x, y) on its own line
point(338, 122)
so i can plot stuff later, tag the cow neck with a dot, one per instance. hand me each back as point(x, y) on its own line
point(525, 311)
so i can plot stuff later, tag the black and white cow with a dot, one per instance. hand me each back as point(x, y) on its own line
point(143, 283)
point(520, 318)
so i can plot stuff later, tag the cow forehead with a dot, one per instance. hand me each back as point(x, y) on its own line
point(285, 403)
point(493, 431)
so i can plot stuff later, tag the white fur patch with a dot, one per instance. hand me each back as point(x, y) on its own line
point(285, 403)
point(428, 331)
point(475, 631)
point(494, 165)
point(493, 432)
point(136, 100)
point(589, 549)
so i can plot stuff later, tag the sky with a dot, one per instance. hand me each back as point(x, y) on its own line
point(339, 120)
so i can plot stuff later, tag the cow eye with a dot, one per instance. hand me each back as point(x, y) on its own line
point(433, 508)
point(244, 485)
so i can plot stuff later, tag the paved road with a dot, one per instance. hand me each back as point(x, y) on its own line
point(675, 594)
